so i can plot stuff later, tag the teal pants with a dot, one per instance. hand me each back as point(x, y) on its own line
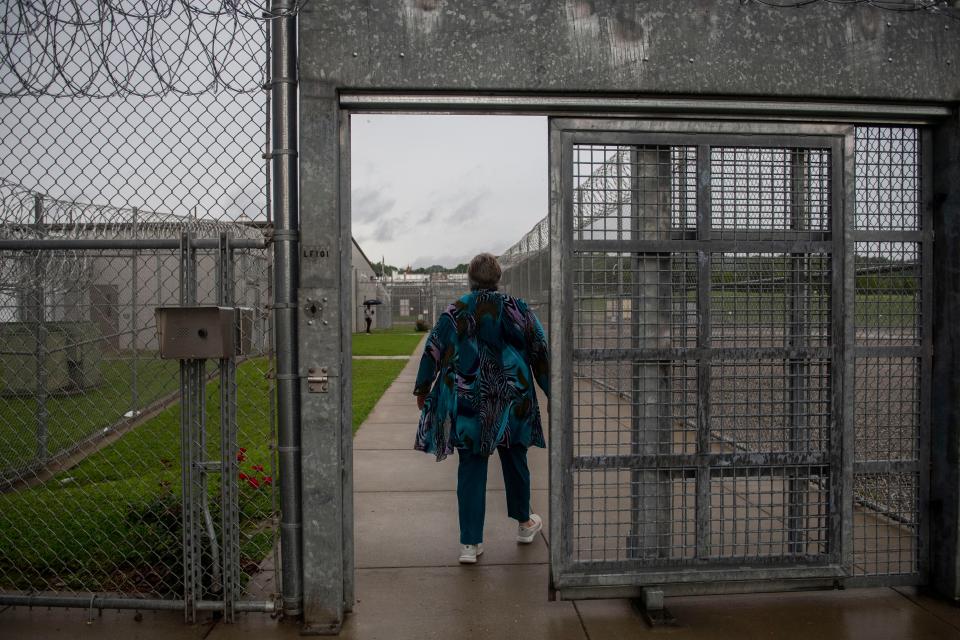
point(472, 489)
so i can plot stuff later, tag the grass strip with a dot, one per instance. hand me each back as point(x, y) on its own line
point(383, 343)
point(371, 378)
point(113, 522)
point(72, 418)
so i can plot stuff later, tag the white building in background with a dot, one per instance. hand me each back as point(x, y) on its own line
point(401, 276)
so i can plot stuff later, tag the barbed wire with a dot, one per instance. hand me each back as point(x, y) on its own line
point(20, 209)
point(76, 219)
point(147, 48)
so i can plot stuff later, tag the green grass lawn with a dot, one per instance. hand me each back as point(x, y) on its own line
point(72, 418)
point(385, 343)
point(370, 379)
point(113, 522)
point(400, 327)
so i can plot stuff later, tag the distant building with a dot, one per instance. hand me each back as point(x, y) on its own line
point(367, 286)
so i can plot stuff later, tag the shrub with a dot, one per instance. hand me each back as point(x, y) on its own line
point(422, 325)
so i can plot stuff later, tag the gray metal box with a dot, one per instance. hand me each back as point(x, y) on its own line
point(203, 332)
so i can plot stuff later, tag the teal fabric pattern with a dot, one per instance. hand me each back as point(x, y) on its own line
point(478, 371)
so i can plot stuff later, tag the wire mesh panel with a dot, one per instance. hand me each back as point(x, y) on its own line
point(891, 242)
point(780, 191)
point(121, 132)
point(736, 342)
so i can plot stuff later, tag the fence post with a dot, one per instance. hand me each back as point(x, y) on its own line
point(944, 174)
point(135, 278)
point(230, 466)
point(192, 411)
point(283, 155)
point(650, 390)
point(40, 338)
point(796, 298)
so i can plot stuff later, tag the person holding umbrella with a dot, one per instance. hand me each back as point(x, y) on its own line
point(368, 311)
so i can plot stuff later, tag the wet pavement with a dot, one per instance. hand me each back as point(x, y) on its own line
point(410, 586)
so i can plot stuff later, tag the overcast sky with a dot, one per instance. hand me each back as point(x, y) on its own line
point(440, 189)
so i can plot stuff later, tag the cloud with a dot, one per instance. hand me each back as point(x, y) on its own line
point(428, 217)
point(443, 188)
point(388, 230)
point(368, 204)
point(469, 209)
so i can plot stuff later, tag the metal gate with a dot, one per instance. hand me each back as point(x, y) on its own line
point(742, 356)
point(119, 486)
point(147, 164)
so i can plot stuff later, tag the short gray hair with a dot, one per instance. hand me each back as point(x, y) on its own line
point(484, 271)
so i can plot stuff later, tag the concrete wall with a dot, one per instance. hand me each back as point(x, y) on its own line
point(568, 48)
point(696, 47)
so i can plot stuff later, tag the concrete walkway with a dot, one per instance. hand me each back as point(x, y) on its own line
point(410, 586)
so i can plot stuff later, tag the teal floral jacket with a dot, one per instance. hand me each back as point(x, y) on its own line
point(477, 370)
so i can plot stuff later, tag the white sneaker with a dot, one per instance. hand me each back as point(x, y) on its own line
point(470, 552)
point(525, 535)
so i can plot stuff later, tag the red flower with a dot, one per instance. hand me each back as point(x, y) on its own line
point(243, 476)
point(257, 467)
point(253, 482)
point(241, 456)
point(267, 480)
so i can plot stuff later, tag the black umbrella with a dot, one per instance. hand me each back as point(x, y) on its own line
point(370, 301)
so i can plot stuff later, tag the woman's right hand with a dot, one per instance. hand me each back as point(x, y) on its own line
point(420, 402)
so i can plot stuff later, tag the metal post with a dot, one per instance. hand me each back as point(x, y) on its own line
point(272, 408)
point(229, 465)
point(942, 187)
point(191, 411)
point(135, 279)
point(283, 156)
point(798, 373)
point(650, 390)
point(40, 339)
point(704, 205)
point(527, 271)
point(618, 306)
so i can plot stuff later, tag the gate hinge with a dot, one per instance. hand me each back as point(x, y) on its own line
point(318, 381)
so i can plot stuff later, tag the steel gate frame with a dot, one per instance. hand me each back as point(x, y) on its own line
point(680, 114)
point(569, 583)
point(195, 509)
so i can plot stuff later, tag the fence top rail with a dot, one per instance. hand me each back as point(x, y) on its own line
point(80, 244)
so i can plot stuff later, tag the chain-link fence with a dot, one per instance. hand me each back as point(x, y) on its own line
point(422, 301)
point(526, 268)
point(123, 128)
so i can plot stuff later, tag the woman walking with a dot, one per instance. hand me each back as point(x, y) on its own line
point(476, 394)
